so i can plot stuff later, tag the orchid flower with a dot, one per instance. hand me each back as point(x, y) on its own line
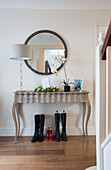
point(54, 70)
point(58, 58)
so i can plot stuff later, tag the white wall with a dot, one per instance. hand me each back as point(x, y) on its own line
point(77, 28)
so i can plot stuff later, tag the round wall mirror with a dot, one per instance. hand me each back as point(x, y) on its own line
point(45, 44)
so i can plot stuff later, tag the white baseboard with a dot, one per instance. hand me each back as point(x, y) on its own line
point(78, 131)
point(29, 132)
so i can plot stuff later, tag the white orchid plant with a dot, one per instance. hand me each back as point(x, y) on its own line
point(58, 58)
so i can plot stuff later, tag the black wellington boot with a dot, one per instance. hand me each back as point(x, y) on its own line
point(41, 128)
point(35, 137)
point(63, 119)
point(57, 122)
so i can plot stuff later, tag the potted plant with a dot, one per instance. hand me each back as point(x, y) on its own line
point(61, 60)
point(66, 85)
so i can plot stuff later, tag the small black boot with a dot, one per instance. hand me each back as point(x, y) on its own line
point(57, 122)
point(41, 128)
point(63, 118)
point(35, 137)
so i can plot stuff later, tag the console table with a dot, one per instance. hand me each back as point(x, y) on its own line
point(21, 97)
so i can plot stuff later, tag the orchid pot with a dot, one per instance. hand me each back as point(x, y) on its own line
point(66, 85)
point(66, 88)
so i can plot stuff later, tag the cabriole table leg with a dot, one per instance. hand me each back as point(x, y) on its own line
point(84, 112)
point(15, 120)
point(88, 116)
point(18, 118)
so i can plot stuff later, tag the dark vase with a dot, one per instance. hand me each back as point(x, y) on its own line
point(66, 88)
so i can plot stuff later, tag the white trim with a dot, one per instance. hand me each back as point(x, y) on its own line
point(100, 105)
point(29, 132)
point(108, 90)
point(58, 4)
point(106, 141)
point(92, 168)
point(72, 131)
point(98, 151)
point(103, 145)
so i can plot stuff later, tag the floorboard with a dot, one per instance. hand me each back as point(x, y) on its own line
point(75, 154)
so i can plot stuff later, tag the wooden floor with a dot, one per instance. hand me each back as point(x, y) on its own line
point(75, 154)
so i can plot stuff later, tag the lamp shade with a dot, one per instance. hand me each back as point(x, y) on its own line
point(20, 52)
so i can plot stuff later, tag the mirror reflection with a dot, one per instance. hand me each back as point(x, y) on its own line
point(45, 46)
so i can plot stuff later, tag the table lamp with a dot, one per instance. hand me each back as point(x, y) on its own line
point(20, 52)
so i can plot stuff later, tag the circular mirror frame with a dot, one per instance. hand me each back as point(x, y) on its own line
point(45, 31)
